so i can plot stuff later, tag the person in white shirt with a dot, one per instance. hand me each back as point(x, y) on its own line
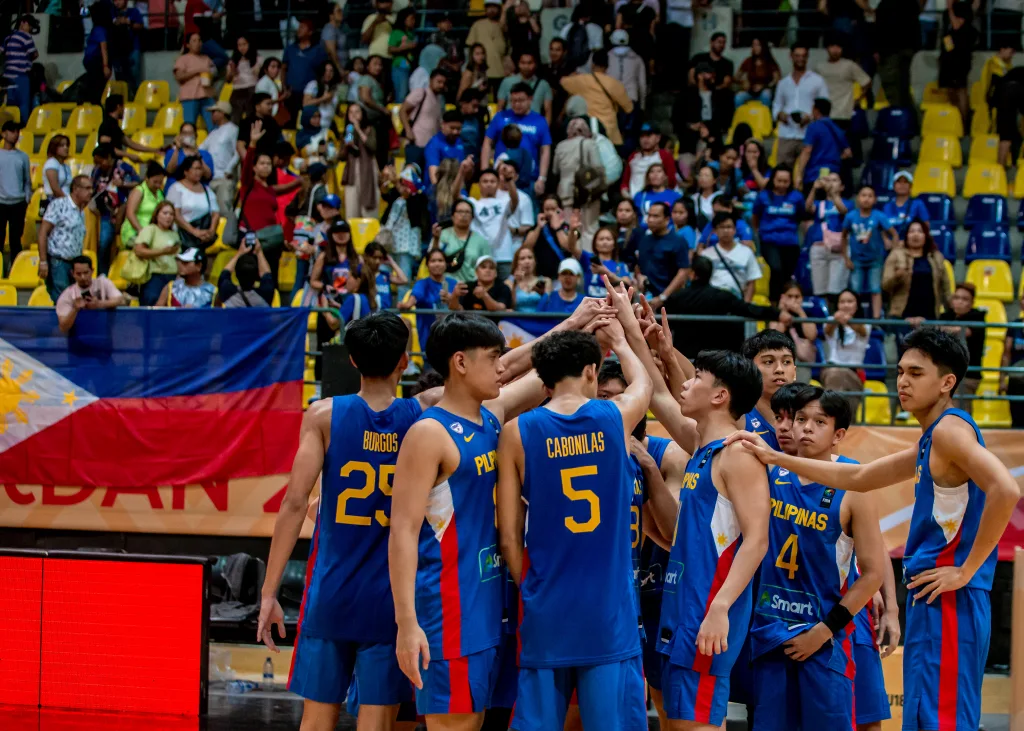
point(221, 144)
point(794, 100)
point(735, 266)
point(494, 214)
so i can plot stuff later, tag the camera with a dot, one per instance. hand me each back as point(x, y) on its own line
point(445, 222)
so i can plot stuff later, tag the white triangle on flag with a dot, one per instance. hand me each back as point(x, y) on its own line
point(33, 396)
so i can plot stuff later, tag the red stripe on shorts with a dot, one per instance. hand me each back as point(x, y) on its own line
point(701, 662)
point(949, 670)
point(460, 698)
point(451, 601)
point(705, 697)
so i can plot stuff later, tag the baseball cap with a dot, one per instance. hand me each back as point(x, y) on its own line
point(340, 226)
point(620, 38)
point(411, 177)
point(492, 2)
point(11, 126)
point(482, 259)
point(649, 129)
point(331, 201)
point(221, 106)
point(905, 175)
point(570, 265)
point(192, 254)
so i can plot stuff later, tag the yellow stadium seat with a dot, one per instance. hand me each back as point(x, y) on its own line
point(757, 115)
point(275, 301)
point(225, 92)
point(941, 149)
point(169, 119)
point(219, 263)
point(29, 236)
point(994, 312)
point(933, 95)
point(86, 118)
point(115, 270)
point(985, 178)
point(153, 94)
point(992, 279)
point(36, 167)
point(1018, 183)
point(8, 295)
point(773, 156)
point(149, 138)
point(134, 118)
point(881, 102)
point(44, 118)
point(29, 143)
point(978, 95)
point(363, 231)
point(877, 409)
point(286, 271)
point(24, 272)
point(80, 165)
point(950, 275)
point(983, 120)
point(934, 178)
point(289, 136)
point(942, 119)
point(992, 357)
point(991, 413)
point(12, 112)
point(218, 244)
point(474, 191)
point(761, 285)
point(40, 297)
point(761, 300)
point(62, 86)
point(984, 149)
point(396, 120)
point(116, 87)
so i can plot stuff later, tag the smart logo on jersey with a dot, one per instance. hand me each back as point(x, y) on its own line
point(673, 575)
point(490, 562)
point(787, 604)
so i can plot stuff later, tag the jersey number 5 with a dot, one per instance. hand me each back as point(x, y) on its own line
point(789, 564)
point(577, 495)
point(382, 481)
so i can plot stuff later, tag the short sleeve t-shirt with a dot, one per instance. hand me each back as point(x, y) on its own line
point(541, 91)
point(379, 40)
point(101, 289)
point(63, 171)
point(499, 292)
point(534, 127)
point(110, 127)
point(865, 236)
point(194, 88)
point(901, 216)
point(828, 143)
point(660, 257)
point(593, 284)
point(192, 205)
point(741, 261)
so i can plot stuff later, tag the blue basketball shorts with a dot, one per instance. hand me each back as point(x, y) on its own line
point(460, 685)
point(946, 647)
point(504, 693)
point(654, 661)
point(870, 701)
point(816, 693)
point(689, 695)
point(611, 697)
point(322, 671)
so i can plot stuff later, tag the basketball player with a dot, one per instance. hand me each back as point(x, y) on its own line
point(346, 625)
point(964, 497)
point(803, 617)
point(871, 701)
point(445, 566)
point(568, 462)
point(773, 353)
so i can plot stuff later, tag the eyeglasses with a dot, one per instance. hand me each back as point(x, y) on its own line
point(462, 212)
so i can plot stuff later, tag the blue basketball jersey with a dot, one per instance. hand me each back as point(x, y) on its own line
point(864, 633)
point(578, 600)
point(763, 428)
point(945, 520)
point(653, 558)
point(805, 571)
point(706, 539)
point(348, 590)
point(459, 581)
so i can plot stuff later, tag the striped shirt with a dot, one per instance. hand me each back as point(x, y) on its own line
point(20, 50)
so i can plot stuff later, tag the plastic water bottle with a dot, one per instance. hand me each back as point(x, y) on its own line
point(237, 687)
point(268, 674)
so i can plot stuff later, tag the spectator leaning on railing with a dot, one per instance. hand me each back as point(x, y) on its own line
point(962, 310)
point(61, 235)
point(87, 293)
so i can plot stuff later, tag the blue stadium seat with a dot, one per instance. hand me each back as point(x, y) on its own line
point(875, 355)
point(946, 243)
point(987, 210)
point(892, 149)
point(819, 347)
point(896, 122)
point(1020, 216)
point(816, 306)
point(940, 209)
point(878, 175)
point(803, 270)
point(987, 242)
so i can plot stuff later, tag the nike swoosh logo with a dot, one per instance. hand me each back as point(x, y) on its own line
point(780, 482)
point(761, 432)
point(469, 438)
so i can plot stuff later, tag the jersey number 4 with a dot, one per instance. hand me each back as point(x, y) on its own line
point(381, 481)
point(588, 496)
point(788, 564)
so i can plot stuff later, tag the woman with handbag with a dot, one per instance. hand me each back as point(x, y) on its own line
point(142, 202)
point(829, 275)
point(151, 263)
point(360, 176)
point(195, 207)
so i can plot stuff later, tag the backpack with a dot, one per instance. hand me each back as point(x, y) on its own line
point(610, 160)
point(589, 182)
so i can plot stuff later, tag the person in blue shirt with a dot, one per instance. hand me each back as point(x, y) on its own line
point(825, 202)
point(655, 190)
point(568, 296)
point(867, 236)
point(536, 142)
point(374, 256)
point(604, 261)
point(903, 209)
point(96, 58)
point(446, 143)
point(127, 34)
point(474, 122)
point(299, 64)
point(683, 220)
point(663, 257)
point(825, 147)
point(430, 293)
point(185, 146)
point(777, 213)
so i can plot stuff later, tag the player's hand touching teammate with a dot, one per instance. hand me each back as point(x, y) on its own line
point(755, 445)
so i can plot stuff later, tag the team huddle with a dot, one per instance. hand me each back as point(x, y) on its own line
point(512, 550)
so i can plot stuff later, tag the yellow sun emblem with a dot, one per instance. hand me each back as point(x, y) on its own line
point(12, 394)
point(722, 540)
point(950, 526)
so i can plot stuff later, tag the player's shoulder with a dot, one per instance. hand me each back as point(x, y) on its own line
point(955, 430)
point(319, 412)
point(428, 426)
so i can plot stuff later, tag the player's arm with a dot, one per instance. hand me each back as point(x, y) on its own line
point(866, 477)
point(746, 485)
point(660, 501)
point(419, 464)
point(309, 461)
point(517, 397)
point(632, 402)
point(511, 515)
point(867, 543)
point(430, 397)
point(956, 442)
point(673, 467)
point(889, 611)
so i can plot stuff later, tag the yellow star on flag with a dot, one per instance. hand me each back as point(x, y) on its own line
point(70, 398)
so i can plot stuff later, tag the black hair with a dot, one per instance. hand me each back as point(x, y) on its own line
point(799, 45)
point(522, 88)
point(263, 72)
point(401, 17)
point(830, 402)
point(767, 340)
point(375, 247)
point(186, 165)
point(183, 125)
point(249, 56)
point(665, 207)
point(564, 355)
point(428, 379)
point(823, 105)
point(104, 150)
point(716, 35)
point(153, 168)
point(780, 168)
point(487, 171)
point(376, 343)
point(452, 115)
point(559, 41)
point(113, 102)
point(81, 259)
point(599, 58)
point(611, 370)
point(247, 271)
point(459, 332)
point(738, 374)
point(702, 269)
point(784, 399)
point(438, 72)
point(947, 352)
point(283, 149)
point(720, 218)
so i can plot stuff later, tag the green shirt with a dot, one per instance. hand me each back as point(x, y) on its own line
point(541, 91)
point(475, 247)
point(404, 59)
point(376, 93)
point(156, 238)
